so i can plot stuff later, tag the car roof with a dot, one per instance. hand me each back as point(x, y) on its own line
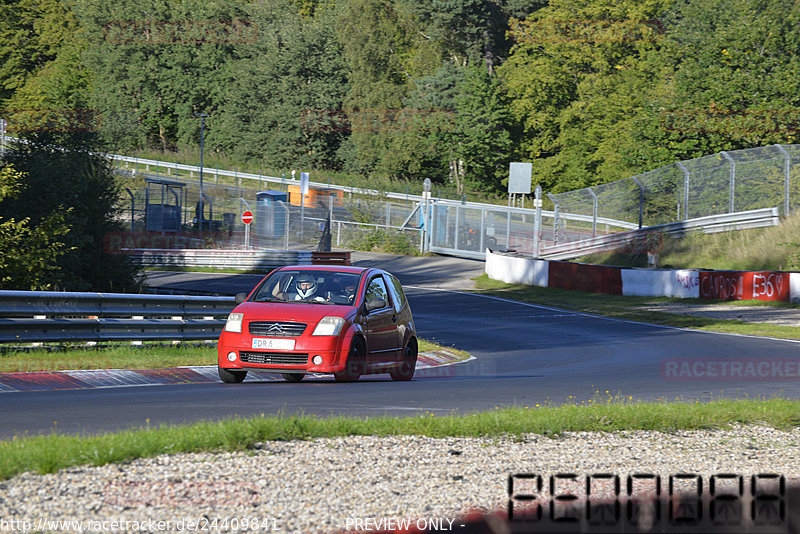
point(338, 268)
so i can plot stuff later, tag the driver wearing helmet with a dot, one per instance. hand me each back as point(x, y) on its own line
point(305, 287)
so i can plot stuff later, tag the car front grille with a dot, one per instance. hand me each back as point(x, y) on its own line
point(276, 328)
point(274, 358)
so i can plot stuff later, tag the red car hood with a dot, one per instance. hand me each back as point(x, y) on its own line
point(297, 312)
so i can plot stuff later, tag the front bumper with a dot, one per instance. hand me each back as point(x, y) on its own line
point(328, 348)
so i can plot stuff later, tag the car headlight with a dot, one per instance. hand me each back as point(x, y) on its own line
point(329, 326)
point(234, 322)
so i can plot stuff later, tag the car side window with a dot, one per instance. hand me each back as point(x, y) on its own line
point(376, 292)
point(398, 297)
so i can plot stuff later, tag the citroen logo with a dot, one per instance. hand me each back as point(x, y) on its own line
point(275, 328)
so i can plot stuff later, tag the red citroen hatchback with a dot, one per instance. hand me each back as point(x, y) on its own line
point(347, 321)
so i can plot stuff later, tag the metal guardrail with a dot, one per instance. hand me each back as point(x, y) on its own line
point(234, 259)
point(53, 316)
point(220, 259)
point(710, 224)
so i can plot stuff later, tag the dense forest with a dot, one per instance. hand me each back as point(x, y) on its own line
point(590, 91)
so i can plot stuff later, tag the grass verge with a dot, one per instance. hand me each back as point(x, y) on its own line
point(771, 248)
point(634, 308)
point(49, 453)
point(108, 357)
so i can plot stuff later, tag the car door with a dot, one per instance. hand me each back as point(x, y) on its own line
point(380, 322)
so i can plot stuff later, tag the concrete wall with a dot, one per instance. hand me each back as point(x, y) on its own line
point(677, 283)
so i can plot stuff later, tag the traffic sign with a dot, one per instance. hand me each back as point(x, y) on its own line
point(247, 217)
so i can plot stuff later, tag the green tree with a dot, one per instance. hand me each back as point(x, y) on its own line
point(576, 78)
point(472, 32)
point(42, 79)
point(69, 183)
point(377, 38)
point(154, 65)
point(734, 68)
point(32, 33)
point(284, 105)
point(424, 129)
point(484, 128)
point(28, 252)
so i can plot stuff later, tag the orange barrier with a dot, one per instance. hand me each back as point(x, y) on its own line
point(315, 195)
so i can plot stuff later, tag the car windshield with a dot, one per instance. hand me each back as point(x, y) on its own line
point(318, 287)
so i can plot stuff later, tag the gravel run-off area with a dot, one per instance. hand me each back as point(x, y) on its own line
point(328, 485)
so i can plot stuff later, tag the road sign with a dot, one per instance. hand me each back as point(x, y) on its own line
point(247, 217)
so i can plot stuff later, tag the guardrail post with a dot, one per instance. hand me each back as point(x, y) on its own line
point(731, 194)
point(787, 163)
point(685, 189)
point(594, 212)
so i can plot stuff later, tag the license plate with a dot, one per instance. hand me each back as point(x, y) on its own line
point(271, 343)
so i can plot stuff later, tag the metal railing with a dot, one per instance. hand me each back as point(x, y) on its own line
point(52, 316)
point(710, 224)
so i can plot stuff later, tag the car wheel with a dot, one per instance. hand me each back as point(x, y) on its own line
point(356, 360)
point(231, 377)
point(292, 377)
point(406, 369)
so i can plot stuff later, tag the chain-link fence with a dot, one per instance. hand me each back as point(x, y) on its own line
point(160, 211)
point(726, 182)
point(165, 212)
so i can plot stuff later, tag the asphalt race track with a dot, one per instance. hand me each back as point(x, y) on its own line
point(525, 355)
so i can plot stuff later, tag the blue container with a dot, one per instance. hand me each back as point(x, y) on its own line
point(270, 216)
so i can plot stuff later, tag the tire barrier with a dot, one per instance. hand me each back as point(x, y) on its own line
point(676, 283)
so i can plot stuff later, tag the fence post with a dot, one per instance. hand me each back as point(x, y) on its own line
point(731, 197)
point(483, 230)
point(508, 230)
point(430, 222)
point(685, 189)
point(555, 218)
point(537, 222)
point(286, 232)
point(641, 201)
point(787, 163)
point(594, 212)
point(458, 229)
point(133, 207)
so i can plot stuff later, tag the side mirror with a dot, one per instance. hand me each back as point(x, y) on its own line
point(240, 297)
point(374, 304)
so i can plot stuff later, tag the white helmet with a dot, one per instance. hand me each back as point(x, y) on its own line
point(305, 279)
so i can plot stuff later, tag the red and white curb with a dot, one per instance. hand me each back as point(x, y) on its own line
point(113, 378)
